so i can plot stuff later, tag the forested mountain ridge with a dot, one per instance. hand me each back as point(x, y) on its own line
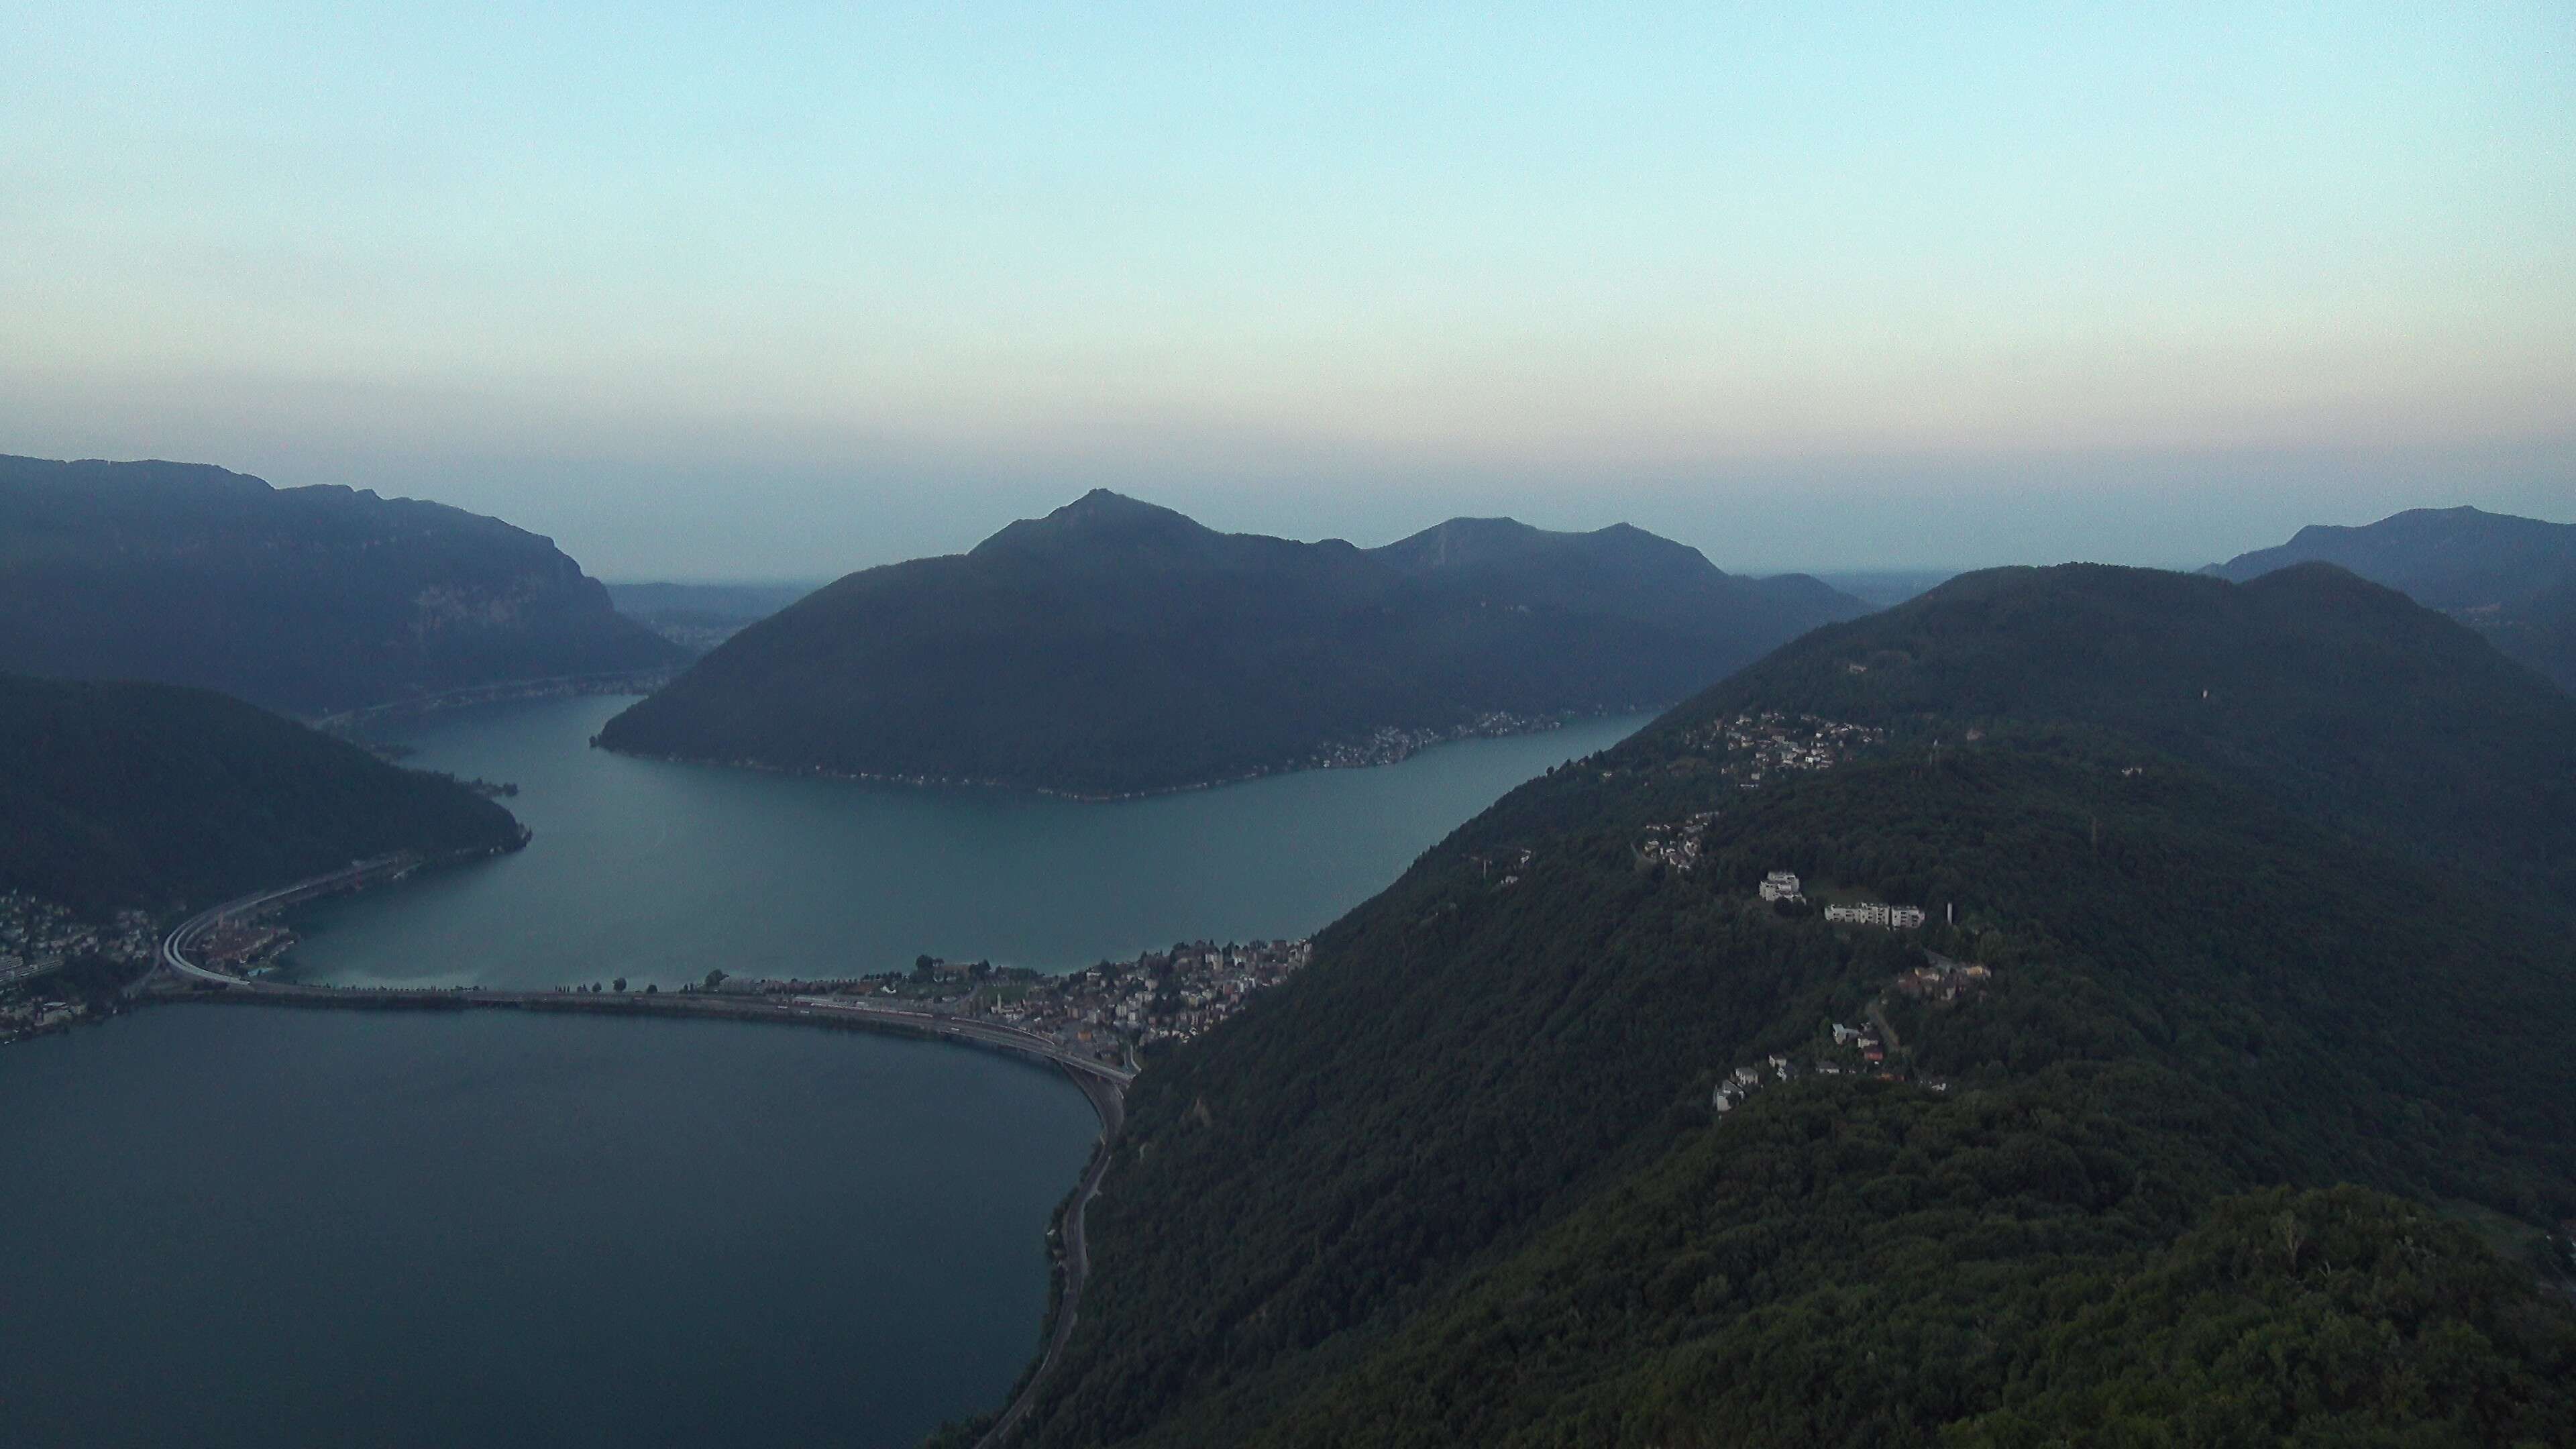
point(157, 797)
point(2512, 579)
point(2336, 696)
point(305, 600)
point(1114, 647)
point(1462, 1181)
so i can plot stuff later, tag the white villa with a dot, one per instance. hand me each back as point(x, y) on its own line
point(1876, 913)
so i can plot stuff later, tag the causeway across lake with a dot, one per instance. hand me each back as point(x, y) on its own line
point(259, 1226)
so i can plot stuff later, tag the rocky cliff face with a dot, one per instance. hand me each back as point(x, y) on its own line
point(307, 600)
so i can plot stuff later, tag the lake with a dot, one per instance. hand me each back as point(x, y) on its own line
point(659, 872)
point(258, 1226)
point(261, 1226)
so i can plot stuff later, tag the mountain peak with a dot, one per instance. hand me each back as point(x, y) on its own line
point(1482, 542)
point(1100, 521)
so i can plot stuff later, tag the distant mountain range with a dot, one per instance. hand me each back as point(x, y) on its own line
point(156, 797)
point(2512, 579)
point(698, 617)
point(306, 600)
point(2240, 1040)
point(1114, 646)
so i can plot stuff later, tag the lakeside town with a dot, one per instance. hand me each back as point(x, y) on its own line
point(1388, 745)
point(1114, 1011)
point(44, 947)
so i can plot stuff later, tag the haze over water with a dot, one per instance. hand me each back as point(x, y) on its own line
point(658, 872)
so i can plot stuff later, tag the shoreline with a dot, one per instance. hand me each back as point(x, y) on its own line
point(1102, 1086)
point(1085, 797)
point(639, 682)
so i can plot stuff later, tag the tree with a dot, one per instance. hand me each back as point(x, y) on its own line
point(715, 978)
point(617, 985)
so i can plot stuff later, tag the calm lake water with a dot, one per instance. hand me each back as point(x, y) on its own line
point(259, 1226)
point(262, 1226)
point(657, 872)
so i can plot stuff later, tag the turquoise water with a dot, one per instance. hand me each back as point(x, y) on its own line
point(658, 872)
point(254, 1226)
point(259, 1226)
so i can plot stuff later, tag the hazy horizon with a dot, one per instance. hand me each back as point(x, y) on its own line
point(712, 294)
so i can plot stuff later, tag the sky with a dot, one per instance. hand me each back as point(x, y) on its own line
point(785, 290)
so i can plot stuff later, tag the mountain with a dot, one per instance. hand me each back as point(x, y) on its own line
point(2230, 1108)
point(1114, 646)
point(305, 600)
point(698, 617)
point(2512, 579)
point(154, 796)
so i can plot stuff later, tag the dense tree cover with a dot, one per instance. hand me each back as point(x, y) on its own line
point(152, 796)
point(2340, 698)
point(1114, 646)
point(2321, 1318)
point(1460, 1182)
point(2511, 579)
point(307, 600)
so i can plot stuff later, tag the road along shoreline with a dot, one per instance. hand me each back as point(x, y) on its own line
point(176, 977)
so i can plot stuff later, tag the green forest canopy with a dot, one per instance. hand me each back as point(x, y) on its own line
point(2254, 1039)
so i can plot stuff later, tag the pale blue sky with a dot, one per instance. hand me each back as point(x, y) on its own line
point(707, 292)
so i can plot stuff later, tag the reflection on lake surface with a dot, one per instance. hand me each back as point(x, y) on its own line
point(256, 1226)
point(658, 872)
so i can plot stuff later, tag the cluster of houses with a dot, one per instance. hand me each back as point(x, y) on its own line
point(1752, 747)
point(1876, 913)
point(1510, 862)
point(1839, 1051)
point(1389, 744)
point(1159, 996)
point(1675, 843)
point(1943, 980)
point(38, 937)
point(242, 946)
point(1103, 1012)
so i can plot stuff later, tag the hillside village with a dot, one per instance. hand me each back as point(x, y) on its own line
point(1869, 1050)
point(1751, 748)
point(1746, 751)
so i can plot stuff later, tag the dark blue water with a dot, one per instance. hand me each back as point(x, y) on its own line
point(258, 1226)
point(263, 1227)
point(657, 872)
